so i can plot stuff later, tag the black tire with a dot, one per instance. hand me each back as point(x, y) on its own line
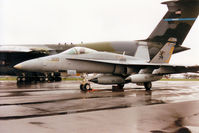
point(28, 79)
point(81, 87)
point(23, 79)
point(148, 86)
point(34, 79)
point(50, 79)
point(41, 79)
point(57, 78)
point(120, 86)
point(85, 87)
point(18, 79)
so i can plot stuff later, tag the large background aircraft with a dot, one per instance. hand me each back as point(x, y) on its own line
point(176, 23)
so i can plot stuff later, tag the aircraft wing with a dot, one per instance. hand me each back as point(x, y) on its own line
point(159, 68)
point(14, 49)
point(24, 49)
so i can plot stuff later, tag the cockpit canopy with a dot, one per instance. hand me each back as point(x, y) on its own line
point(79, 50)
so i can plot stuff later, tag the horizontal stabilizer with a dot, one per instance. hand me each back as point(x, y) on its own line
point(180, 49)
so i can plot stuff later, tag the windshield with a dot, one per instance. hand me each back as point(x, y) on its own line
point(79, 50)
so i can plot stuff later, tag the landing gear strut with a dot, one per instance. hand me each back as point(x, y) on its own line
point(26, 78)
point(119, 87)
point(85, 85)
point(147, 86)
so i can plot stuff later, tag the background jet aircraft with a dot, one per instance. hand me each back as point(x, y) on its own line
point(176, 23)
point(115, 68)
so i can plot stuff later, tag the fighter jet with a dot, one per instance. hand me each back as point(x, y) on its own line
point(177, 23)
point(115, 69)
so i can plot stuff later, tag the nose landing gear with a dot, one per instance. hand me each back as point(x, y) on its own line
point(85, 85)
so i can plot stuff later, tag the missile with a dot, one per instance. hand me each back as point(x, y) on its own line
point(142, 78)
point(108, 79)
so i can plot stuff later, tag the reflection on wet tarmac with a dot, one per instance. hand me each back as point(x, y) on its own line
point(52, 99)
point(64, 103)
point(46, 99)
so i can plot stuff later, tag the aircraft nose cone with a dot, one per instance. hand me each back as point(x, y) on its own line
point(26, 66)
point(18, 66)
point(34, 65)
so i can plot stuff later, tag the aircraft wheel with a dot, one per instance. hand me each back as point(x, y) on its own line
point(28, 79)
point(50, 79)
point(148, 86)
point(23, 79)
point(57, 78)
point(33, 79)
point(19, 79)
point(81, 87)
point(42, 79)
point(119, 87)
point(85, 87)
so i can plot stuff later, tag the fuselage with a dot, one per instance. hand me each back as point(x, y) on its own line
point(14, 54)
point(87, 62)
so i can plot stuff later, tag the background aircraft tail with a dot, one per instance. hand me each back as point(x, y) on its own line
point(164, 55)
point(177, 22)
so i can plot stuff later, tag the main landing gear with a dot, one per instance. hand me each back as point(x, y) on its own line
point(85, 86)
point(119, 87)
point(29, 79)
point(53, 77)
point(35, 77)
point(148, 86)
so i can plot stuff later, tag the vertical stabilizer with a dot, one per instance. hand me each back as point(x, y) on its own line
point(164, 55)
point(177, 22)
point(142, 51)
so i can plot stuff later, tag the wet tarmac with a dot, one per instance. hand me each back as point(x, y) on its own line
point(171, 107)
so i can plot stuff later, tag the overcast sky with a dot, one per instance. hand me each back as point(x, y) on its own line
point(54, 21)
